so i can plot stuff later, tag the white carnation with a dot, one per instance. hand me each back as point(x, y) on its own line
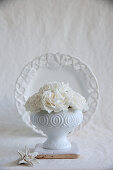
point(33, 103)
point(56, 96)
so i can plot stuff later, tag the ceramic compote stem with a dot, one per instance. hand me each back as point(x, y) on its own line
point(57, 126)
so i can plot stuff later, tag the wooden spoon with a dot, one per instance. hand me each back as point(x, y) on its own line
point(58, 156)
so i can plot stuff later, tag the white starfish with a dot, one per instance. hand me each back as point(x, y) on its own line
point(27, 157)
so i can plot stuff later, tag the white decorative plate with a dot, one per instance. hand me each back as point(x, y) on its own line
point(56, 67)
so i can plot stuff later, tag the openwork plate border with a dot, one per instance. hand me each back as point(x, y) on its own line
point(55, 61)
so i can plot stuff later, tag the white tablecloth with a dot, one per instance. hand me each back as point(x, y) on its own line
point(80, 28)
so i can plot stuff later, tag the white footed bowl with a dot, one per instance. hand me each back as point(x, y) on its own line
point(57, 126)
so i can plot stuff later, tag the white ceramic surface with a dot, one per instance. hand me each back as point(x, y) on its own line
point(56, 67)
point(57, 126)
point(73, 150)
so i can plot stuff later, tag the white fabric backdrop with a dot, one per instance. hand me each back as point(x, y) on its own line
point(79, 28)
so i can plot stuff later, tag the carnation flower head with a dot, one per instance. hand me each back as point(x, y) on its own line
point(55, 96)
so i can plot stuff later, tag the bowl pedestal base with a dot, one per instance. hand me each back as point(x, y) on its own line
point(57, 143)
point(73, 150)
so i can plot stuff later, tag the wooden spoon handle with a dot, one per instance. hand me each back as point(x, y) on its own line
point(58, 156)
